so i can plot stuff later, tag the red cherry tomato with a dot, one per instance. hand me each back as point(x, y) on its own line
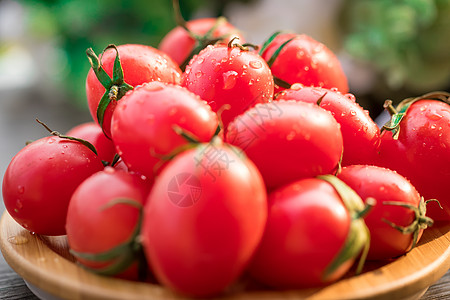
point(288, 140)
point(307, 226)
point(421, 152)
point(360, 133)
point(306, 61)
point(145, 121)
point(139, 64)
point(105, 213)
point(40, 180)
point(227, 75)
point(204, 219)
point(93, 133)
point(390, 190)
point(179, 44)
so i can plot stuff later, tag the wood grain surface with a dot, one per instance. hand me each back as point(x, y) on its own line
point(46, 263)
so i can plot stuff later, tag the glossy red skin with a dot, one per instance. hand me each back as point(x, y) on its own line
point(200, 250)
point(422, 153)
point(222, 75)
point(93, 133)
point(178, 44)
point(288, 140)
point(306, 61)
point(384, 185)
point(92, 227)
point(306, 228)
point(142, 124)
point(140, 64)
point(360, 133)
point(40, 180)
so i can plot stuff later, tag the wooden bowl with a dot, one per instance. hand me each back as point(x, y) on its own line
point(46, 265)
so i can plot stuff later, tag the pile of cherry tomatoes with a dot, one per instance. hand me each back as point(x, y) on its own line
point(209, 158)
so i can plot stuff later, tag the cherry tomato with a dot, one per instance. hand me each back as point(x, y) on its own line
point(304, 60)
point(146, 121)
point(138, 64)
point(307, 227)
point(360, 133)
point(40, 180)
point(421, 151)
point(93, 133)
point(391, 192)
point(227, 75)
point(288, 140)
point(179, 44)
point(105, 212)
point(204, 219)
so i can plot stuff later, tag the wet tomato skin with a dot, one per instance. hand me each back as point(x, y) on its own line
point(201, 246)
point(384, 185)
point(95, 224)
point(140, 64)
point(178, 43)
point(306, 228)
point(93, 133)
point(286, 140)
point(145, 121)
point(360, 134)
point(306, 61)
point(422, 153)
point(40, 179)
point(223, 75)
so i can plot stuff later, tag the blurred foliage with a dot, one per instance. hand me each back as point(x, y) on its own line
point(72, 26)
point(407, 41)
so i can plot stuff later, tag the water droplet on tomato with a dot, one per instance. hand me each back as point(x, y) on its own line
point(198, 74)
point(353, 113)
point(350, 97)
point(200, 60)
point(433, 116)
point(229, 79)
point(255, 64)
point(300, 54)
point(18, 239)
point(433, 126)
point(306, 68)
point(173, 111)
point(251, 82)
point(334, 89)
point(21, 189)
point(296, 86)
point(291, 136)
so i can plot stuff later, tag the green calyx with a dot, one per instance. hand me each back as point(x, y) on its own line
point(358, 239)
point(123, 255)
point(56, 133)
point(398, 113)
point(278, 81)
point(421, 221)
point(116, 87)
point(201, 41)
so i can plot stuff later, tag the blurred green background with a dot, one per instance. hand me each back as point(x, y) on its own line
point(389, 49)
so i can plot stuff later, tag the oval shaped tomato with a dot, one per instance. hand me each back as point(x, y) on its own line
point(390, 190)
point(93, 133)
point(421, 152)
point(179, 44)
point(146, 121)
point(204, 219)
point(227, 75)
point(105, 213)
point(306, 61)
point(288, 140)
point(40, 180)
point(307, 226)
point(360, 133)
point(140, 64)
